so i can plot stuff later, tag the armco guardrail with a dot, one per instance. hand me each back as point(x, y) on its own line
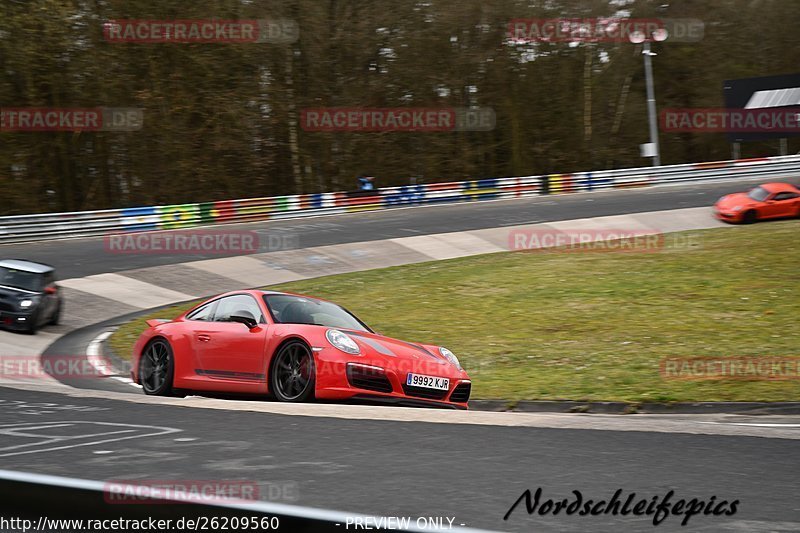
point(47, 226)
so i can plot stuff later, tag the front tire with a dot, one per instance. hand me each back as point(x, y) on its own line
point(156, 368)
point(292, 375)
point(749, 217)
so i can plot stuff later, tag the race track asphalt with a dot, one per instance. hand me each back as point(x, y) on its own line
point(471, 472)
point(88, 256)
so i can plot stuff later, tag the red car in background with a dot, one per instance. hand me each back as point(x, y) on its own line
point(294, 348)
point(770, 200)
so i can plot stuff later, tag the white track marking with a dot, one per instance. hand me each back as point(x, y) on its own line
point(431, 246)
point(129, 381)
point(249, 271)
point(756, 424)
point(50, 442)
point(93, 354)
point(127, 290)
point(470, 243)
point(13, 344)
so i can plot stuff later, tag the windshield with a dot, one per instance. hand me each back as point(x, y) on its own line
point(758, 194)
point(289, 309)
point(20, 279)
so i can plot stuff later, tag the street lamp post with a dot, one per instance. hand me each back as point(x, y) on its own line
point(637, 38)
point(651, 103)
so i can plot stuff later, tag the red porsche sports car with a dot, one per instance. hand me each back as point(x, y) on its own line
point(770, 200)
point(295, 348)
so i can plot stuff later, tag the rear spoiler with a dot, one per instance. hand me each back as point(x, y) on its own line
point(153, 322)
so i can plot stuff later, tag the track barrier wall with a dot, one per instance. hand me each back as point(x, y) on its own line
point(23, 228)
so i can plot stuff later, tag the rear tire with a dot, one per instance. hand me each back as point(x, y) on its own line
point(293, 374)
point(156, 368)
point(749, 217)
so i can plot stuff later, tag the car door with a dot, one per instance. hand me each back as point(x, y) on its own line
point(229, 351)
point(785, 204)
point(769, 208)
point(199, 332)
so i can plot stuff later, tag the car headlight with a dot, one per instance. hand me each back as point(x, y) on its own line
point(450, 356)
point(26, 303)
point(737, 208)
point(342, 341)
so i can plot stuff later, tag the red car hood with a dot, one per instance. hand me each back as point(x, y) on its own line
point(397, 350)
point(726, 203)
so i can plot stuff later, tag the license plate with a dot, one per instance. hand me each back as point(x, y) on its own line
point(428, 382)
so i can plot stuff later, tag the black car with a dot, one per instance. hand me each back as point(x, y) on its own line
point(29, 296)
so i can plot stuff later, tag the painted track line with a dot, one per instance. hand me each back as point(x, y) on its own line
point(102, 365)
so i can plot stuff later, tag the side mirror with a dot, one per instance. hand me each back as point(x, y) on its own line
point(246, 320)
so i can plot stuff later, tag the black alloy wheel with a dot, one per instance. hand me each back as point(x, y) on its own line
point(156, 368)
point(293, 373)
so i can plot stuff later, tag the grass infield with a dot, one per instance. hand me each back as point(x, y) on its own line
point(583, 325)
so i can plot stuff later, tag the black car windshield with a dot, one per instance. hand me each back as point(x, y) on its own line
point(289, 309)
point(20, 279)
point(759, 194)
